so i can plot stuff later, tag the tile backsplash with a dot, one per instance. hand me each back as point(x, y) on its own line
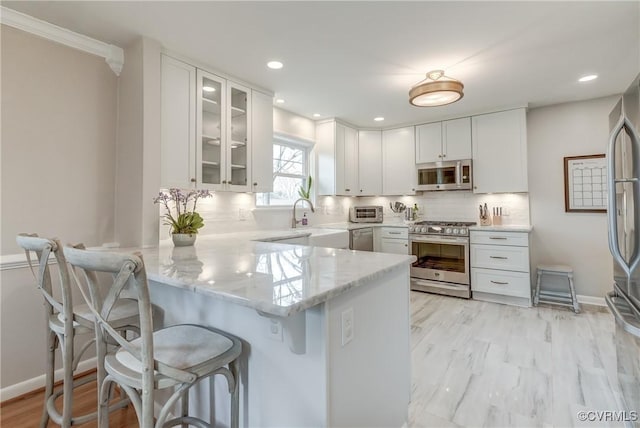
point(236, 212)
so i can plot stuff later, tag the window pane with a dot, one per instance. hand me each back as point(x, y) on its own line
point(288, 160)
point(285, 190)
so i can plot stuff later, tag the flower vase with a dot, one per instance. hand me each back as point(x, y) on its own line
point(183, 239)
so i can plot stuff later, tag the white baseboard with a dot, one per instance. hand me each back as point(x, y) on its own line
point(32, 384)
point(590, 300)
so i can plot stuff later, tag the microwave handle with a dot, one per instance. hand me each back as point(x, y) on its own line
point(459, 173)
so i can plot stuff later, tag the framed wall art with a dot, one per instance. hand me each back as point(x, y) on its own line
point(585, 184)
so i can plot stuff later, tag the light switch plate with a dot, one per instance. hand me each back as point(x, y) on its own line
point(275, 330)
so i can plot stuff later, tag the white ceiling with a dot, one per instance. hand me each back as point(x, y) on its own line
point(357, 60)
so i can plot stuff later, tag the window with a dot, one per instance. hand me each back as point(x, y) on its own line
point(290, 170)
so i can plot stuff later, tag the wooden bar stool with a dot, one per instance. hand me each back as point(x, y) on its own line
point(63, 322)
point(562, 298)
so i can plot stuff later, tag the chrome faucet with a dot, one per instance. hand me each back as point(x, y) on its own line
point(294, 221)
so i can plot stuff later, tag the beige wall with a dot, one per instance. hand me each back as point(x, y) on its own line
point(577, 239)
point(58, 141)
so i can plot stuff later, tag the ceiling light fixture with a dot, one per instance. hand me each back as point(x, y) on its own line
point(279, 101)
point(588, 78)
point(208, 89)
point(316, 115)
point(436, 90)
point(275, 65)
point(378, 119)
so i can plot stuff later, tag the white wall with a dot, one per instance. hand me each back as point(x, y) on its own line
point(58, 161)
point(576, 239)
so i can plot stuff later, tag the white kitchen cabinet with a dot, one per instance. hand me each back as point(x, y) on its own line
point(500, 152)
point(261, 142)
point(337, 153)
point(442, 141)
point(500, 267)
point(208, 126)
point(398, 161)
point(370, 163)
point(346, 161)
point(178, 124)
point(394, 240)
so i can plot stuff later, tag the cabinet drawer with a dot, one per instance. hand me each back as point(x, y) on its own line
point(500, 257)
point(395, 246)
point(394, 232)
point(500, 282)
point(517, 239)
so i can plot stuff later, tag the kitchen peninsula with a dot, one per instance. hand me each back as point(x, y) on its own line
point(325, 331)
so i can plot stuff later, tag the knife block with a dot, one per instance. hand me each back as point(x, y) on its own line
point(485, 221)
point(497, 220)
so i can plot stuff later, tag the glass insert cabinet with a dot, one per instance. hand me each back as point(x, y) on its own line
point(223, 155)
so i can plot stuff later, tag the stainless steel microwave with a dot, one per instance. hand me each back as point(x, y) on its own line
point(446, 175)
point(366, 214)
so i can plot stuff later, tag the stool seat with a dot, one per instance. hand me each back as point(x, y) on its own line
point(563, 298)
point(556, 268)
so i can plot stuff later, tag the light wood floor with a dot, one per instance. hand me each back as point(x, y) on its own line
point(473, 364)
point(27, 411)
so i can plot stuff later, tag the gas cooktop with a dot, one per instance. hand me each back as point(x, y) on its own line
point(450, 228)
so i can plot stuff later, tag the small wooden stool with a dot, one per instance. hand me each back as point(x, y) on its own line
point(556, 297)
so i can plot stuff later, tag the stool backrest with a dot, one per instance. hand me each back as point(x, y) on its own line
point(44, 248)
point(126, 269)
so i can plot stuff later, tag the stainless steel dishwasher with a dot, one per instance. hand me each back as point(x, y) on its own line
point(361, 239)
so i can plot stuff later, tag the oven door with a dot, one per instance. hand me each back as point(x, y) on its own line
point(440, 258)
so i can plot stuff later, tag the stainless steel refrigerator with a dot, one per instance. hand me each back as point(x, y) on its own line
point(623, 215)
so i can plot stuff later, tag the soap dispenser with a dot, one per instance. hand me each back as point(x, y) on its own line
point(305, 220)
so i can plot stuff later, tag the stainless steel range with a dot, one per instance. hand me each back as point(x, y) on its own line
point(442, 249)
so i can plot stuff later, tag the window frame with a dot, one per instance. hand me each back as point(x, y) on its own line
point(295, 143)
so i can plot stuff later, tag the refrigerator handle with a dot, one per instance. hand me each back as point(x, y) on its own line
point(628, 323)
point(614, 244)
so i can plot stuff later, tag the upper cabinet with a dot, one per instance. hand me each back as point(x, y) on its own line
point(223, 134)
point(178, 124)
point(208, 127)
point(337, 154)
point(500, 152)
point(370, 163)
point(398, 161)
point(441, 141)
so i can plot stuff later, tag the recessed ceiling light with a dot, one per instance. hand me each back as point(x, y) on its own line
point(378, 119)
point(316, 115)
point(275, 65)
point(208, 89)
point(588, 78)
point(279, 101)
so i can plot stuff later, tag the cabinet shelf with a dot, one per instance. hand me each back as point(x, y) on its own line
point(237, 166)
point(237, 111)
point(214, 141)
point(237, 144)
point(210, 164)
point(210, 106)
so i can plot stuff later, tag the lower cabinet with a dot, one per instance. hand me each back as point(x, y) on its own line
point(393, 240)
point(500, 269)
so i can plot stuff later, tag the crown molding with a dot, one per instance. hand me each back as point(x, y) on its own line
point(112, 54)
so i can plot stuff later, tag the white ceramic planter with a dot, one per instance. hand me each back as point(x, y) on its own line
point(183, 239)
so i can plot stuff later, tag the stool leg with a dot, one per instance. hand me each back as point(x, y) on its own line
point(235, 395)
point(536, 297)
point(51, 361)
point(574, 300)
point(185, 407)
point(67, 364)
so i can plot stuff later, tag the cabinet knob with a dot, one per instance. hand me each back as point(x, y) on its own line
point(347, 190)
point(224, 181)
point(413, 190)
point(360, 190)
point(255, 184)
point(193, 180)
point(475, 187)
point(439, 156)
point(444, 156)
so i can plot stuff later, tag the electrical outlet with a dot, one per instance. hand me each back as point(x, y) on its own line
point(347, 326)
point(275, 330)
point(243, 214)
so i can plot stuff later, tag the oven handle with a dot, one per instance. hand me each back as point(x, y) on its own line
point(439, 239)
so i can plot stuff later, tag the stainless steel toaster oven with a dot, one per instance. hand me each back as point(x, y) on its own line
point(366, 214)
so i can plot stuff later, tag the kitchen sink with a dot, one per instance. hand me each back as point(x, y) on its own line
point(314, 237)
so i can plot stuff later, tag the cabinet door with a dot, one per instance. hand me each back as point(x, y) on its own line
point(325, 153)
point(429, 142)
point(500, 152)
point(178, 124)
point(398, 161)
point(456, 139)
point(395, 246)
point(211, 159)
point(238, 148)
point(261, 142)
point(370, 163)
point(346, 160)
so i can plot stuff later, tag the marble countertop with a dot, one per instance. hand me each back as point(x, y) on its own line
point(504, 228)
point(273, 278)
point(350, 226)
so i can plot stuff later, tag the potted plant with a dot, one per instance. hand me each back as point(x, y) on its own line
point(181, 214)
point(305, 190)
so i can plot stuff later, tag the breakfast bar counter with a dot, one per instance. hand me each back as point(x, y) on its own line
point(325, 331)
